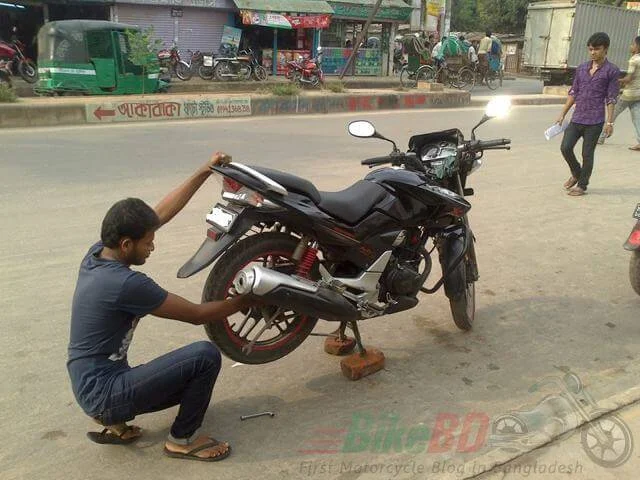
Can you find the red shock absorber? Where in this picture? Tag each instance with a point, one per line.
(307, 261)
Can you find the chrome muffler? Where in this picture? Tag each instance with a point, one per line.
(293, 293)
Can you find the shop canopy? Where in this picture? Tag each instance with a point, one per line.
(286, 14)
(390, 10)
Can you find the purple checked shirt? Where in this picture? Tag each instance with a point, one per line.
(592, 93)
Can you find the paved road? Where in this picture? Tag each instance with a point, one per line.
(518, 86)
(553, 295)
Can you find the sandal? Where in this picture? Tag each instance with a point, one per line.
(635, 148)
(191, 454)
(577, 192)
(570, 183)
(108, 437)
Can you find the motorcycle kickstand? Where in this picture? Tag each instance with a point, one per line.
(341, 332)
(356, 333)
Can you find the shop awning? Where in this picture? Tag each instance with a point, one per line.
(390, 10)
(285, 6)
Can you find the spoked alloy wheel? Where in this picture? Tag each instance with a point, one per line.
(269, 340)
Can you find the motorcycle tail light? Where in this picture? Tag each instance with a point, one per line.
(229, 185)
(634, 238)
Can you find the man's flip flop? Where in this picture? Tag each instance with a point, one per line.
(191, 454)
(107, 437)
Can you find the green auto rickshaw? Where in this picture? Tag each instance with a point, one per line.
(91, 57)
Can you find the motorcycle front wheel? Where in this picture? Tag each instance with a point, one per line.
(460, 284)
(183, 71)
(205, 73)
(28, 71)
(634, 271)
(289, 329)
(260, 73)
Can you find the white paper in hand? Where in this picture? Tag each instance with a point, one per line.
(555, 129)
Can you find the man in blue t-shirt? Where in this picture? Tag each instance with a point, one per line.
(108, 303)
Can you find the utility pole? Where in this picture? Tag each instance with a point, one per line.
(358, 41)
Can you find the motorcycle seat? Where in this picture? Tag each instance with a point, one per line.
(292, 183)
(349, 205)
(352, 204)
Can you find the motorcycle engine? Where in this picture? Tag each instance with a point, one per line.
(403, 277)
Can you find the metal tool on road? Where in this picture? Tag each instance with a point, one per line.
(254, 415)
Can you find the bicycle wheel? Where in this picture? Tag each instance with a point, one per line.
(466, 79)
(426, 73)
(407, 78)
(492, 80)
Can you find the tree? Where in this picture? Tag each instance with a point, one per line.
(143, 48)
(464, 15)
(504, 16)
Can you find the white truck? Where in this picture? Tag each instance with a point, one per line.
(556, 35)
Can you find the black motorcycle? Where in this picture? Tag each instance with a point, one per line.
(240, 67)
(341, 256)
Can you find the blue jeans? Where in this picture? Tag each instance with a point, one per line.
(183, 377)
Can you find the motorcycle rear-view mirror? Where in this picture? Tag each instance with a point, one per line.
(362, 129)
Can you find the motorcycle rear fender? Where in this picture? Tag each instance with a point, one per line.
(211, 250)
(633, 244)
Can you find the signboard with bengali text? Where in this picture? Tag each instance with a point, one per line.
(178, 109)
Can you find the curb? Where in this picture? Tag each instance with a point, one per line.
(159, 108)
(82, 112)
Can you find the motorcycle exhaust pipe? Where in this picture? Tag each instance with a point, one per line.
(297, 294)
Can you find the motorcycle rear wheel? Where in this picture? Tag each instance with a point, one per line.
(634, 271)
(273, 250)
(28, 71)
(222, 69)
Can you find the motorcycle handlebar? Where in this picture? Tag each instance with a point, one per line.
(493, 143)
(377, 161)
(479, 145)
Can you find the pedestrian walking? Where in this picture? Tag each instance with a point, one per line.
(594, 93)
(630, 98)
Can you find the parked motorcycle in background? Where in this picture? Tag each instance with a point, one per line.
(209, 63)
(171, 63)
(240, 67)
(17, 62)
(346, 256)
(5, 74)
(633, 245)
(307, 71)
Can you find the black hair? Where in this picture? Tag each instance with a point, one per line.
(488, 33)
(461, 38)
(131, 218)
(637, 41)
(599, 39)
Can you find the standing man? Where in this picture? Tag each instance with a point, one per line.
(484, 49)
(109, 300)
(594, 93)
(630, 97)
